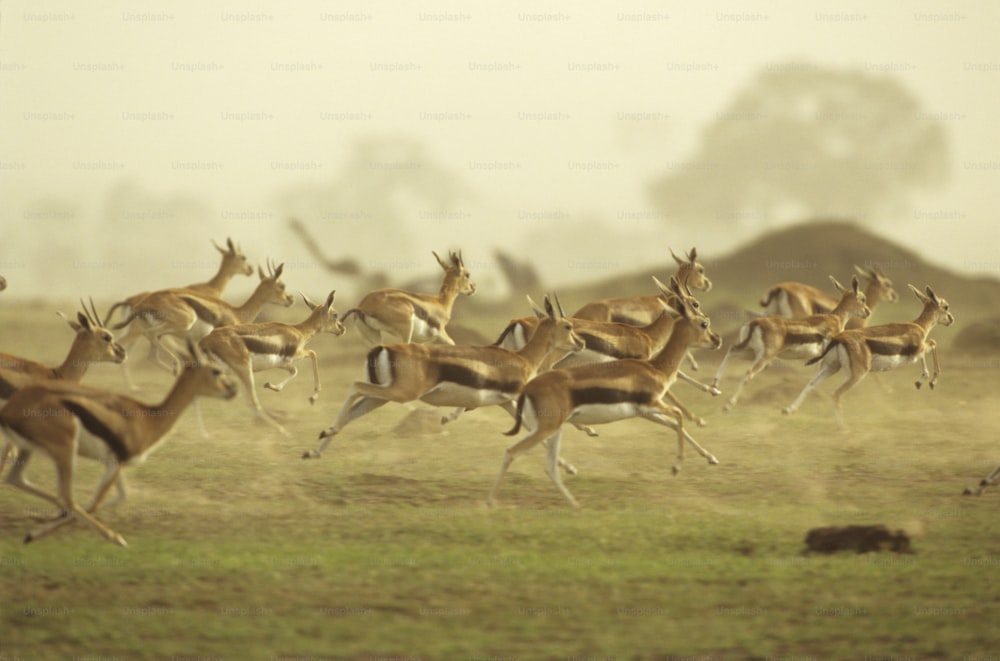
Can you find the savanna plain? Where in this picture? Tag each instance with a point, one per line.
(385, 548)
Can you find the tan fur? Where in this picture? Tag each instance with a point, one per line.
(282, 343)
(46, 417)
(173, 312)
(765, 338)
(851, 349)
(411, 316)
(644, 310)
(417, 371)
(551, 395)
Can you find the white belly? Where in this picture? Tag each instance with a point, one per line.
(881, 363)
(597, 414)
(266, 361)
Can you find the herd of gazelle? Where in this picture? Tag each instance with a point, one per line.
(613, 359)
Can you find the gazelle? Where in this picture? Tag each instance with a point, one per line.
(881, 348)
(410, 316)
(187, 315)
(234, 263)
(454, 376)
(990, 480)
(249, 348)
(607, 392)
(3, 283)
(62, 419)
(644, 310)
(92, 344)
(765, 338)
(797, 300)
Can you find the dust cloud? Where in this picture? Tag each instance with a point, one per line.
(585, 138)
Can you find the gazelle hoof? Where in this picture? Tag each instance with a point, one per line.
(715, 392)
(271, 386)
(675, 469)
(311, 454)
(712, 461)
(788, 410)
(918, 384)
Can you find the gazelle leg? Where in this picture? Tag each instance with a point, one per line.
(511, 453)
(64, 470)
(760, 363)
(552, 468)
(704, 387)
(851, 381)
(698, 420)
(15, 478)
(354, 407)
(667, 416)
(989, 480)
(826, 370)
(292, 371)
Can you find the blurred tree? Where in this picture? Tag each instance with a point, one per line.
(369, 207)
(805, 140)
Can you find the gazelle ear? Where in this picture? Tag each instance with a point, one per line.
(864, 273)
(559, 307)
(539, 312)
(440, 261)
(931, 294)
(309, 304)
(550, 310)
(693, 255)
(840, 288)
(677, 259)
(919, 294)
(855, 284)
(218, 247)
(329, 299)
(72, 324)
(260, 272)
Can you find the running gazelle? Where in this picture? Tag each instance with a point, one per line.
(411, 316)
(60, 420)
(881, 348)
(454, 376)
(765, 338)
(606, 392)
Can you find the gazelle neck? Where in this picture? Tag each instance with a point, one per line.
(313, 323)
(449, 291)
(535, 350)
(161, 417)
(222, 277)
(669, 359)
(74, 367)
(247, 312)
(661, 326)
(927, 319)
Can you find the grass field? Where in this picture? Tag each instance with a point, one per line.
(385, 548)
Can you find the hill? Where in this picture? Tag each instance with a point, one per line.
(810, 253)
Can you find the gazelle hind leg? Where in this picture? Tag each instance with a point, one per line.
(356, 406)
(511, 453)
(826, 370)
(987, 481)
(552, 466)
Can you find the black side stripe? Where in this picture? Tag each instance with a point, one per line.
(803, 338)
(258, 345)
(425, 316)
(99, 429)
(464, 376)
(603, 346)
(203, 313)
(883, 348)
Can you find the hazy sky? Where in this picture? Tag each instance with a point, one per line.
(548, 112)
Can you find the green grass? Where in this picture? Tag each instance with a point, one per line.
(384, 548)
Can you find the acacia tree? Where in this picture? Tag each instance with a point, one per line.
(808, 141)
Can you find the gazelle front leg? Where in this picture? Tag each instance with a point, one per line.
(712, 388)
(924, 373)
(698, 420)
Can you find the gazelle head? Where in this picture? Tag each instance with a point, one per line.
(853, 300)
(697, 321)
(98, 342)
(456, 276)
(234, 262)
(208, 379)
(937, 307)
(879, 286)
(329, 322)
(691, 272)
(673, 292)
(272, 284)
(563, 337)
